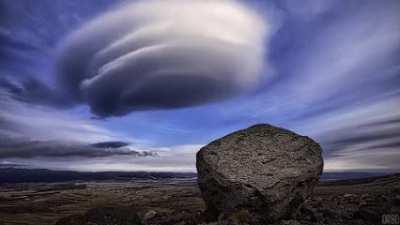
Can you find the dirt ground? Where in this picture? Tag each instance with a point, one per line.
(367, 201)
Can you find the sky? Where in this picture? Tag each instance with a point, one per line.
(142, 85)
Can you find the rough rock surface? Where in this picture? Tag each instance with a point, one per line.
(264, 170)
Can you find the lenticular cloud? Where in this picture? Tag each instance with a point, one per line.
(163, 54)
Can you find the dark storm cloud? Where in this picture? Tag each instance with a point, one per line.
(12, 50)
(388, 121)
(9, 42)
(371, 130)
(31, 149)
(29, 33)
(9, 86)
(21, 119)
(110, 144)
(362, 137)
(31, 90)
(164, 54)
(9, 45)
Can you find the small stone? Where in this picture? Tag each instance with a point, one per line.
(289, 222)
(149, 215)
(349, 195)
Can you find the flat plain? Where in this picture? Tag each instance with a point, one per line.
(178, 201)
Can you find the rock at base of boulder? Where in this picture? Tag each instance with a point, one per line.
(265, 170)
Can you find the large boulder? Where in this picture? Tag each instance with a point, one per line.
(263, 170)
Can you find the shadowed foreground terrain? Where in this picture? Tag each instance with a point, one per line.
(178, 201)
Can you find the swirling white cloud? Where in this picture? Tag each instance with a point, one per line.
(164, 54)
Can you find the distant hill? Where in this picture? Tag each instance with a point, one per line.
(21, 175)
(333, 176)
(16, 174)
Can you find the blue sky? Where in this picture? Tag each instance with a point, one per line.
(330, 71)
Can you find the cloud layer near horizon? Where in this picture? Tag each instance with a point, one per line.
(164, 54)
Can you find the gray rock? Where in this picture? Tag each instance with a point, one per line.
(149, 215)
(263, 169)
(289, 222)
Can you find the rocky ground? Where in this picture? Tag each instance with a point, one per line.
(164, 202)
